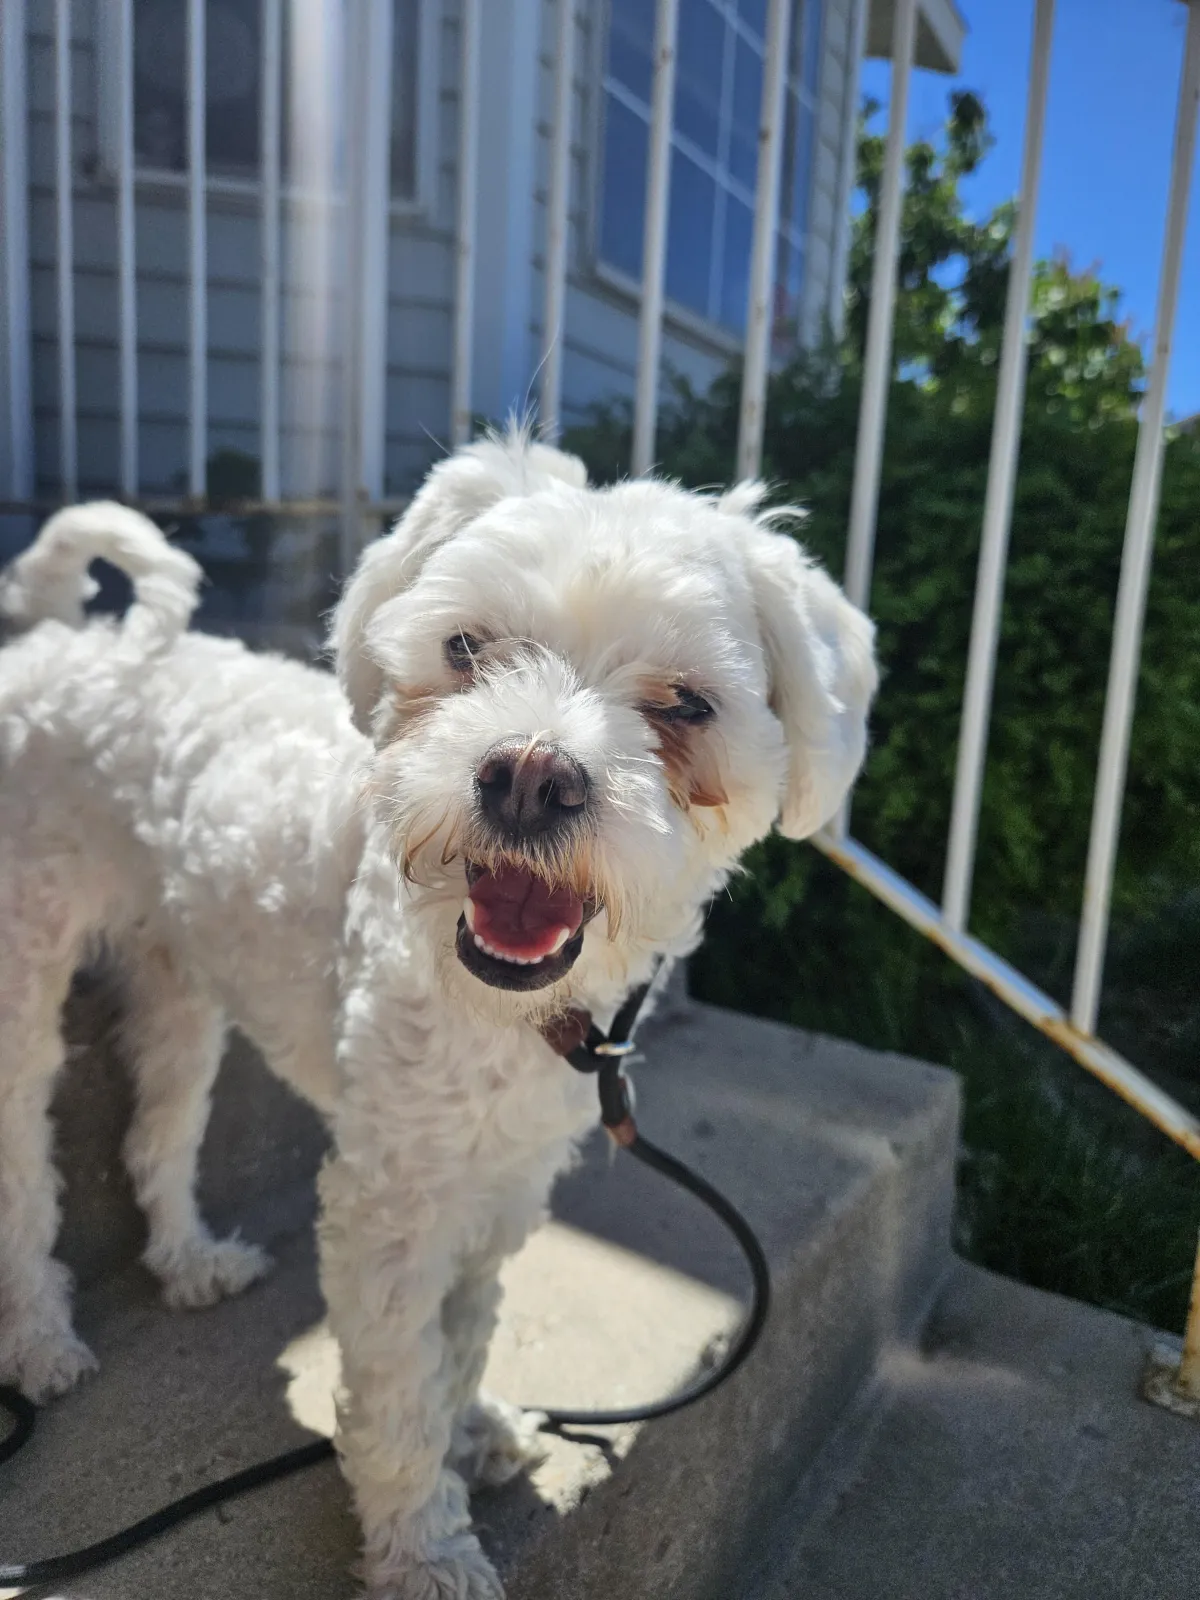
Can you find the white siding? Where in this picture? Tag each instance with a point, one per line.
(601, 333)
(826, 197)
(420, 287)
(601, 323)
(601, 328)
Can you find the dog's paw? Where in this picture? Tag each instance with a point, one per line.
(43, 1363)
(455, 1569)
(203, 1271)
(493, 1441)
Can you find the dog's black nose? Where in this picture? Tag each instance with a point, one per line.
(529, 789)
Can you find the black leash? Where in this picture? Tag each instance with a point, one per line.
(588, 1050)
(603, 1053)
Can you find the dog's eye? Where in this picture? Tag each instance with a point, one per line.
(461, 650)
(689, 707)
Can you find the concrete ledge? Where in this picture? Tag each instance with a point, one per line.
(1011, 1456)
(841, 1159)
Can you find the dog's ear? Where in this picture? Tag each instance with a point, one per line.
(821, 671)
(456, 491)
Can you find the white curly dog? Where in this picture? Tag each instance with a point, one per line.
(560, 715)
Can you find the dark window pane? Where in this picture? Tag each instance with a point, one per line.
(623, 200)
(159, 76)
(754, 14)
(631, 45)
(231, 77)
(786, 329)
(801, 168)
(747, 108)
(735, 269)
(404, 99)
(690, 234)
(799, 131)
(789, 272)
(232, 54)
(698, 71)
(811, 28)
(787, 162)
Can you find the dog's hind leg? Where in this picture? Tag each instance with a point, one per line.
(173, 1034)
(39, 1351)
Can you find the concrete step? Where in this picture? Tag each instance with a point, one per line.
(842, 1160)
(1009, 1455)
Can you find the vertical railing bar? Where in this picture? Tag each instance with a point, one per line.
(14, 241)
(375, 251)
(468, 169)
(1188, 1379)
(308, 292)
(998, 501)
(654, 242)
(68, 449)
(271, 109)
(848, 164)
(126, 253)
(877, 360)
(877, 357)
(764, 250)
(354, 25)
(558, 224)
(1135, 561)
(197, 252)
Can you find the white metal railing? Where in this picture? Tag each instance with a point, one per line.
(341, 56)
(946, 925)
(654, 247)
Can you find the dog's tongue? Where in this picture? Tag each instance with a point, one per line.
(519, 915)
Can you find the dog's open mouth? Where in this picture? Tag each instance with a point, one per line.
(517, 931)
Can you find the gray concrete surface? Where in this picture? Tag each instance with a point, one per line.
(1011, 1459)
(841, 1159)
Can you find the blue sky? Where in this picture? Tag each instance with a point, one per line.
(1114, 79)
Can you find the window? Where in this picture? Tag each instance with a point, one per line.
(233, 56)
(714, 151)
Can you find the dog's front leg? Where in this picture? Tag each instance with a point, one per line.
(387, 1267)
(492, 1440)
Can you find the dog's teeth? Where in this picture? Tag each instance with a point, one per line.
(560, 939)
(469, 912)
(515, 961)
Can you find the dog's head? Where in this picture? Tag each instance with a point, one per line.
(585, 704)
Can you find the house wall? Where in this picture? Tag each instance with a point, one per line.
(600, 358)
(601, 334)
(833, 168)
(420, 279)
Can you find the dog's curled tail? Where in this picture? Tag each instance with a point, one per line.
(50, 580)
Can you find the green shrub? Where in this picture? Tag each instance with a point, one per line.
(1061, 1184)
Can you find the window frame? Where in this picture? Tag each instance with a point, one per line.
(699, 325)
(246, 193)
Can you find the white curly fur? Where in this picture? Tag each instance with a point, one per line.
(232, 826)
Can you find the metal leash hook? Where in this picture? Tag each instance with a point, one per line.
(616, 1108)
